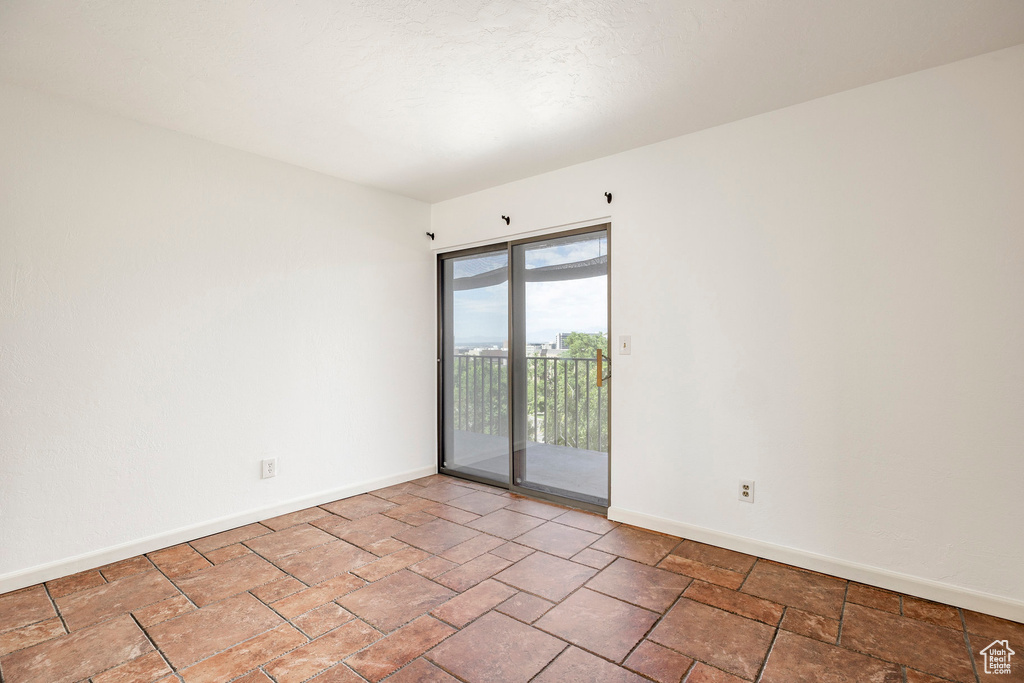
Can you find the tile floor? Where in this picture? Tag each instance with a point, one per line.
(445, 580)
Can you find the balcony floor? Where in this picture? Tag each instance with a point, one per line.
(573, 472)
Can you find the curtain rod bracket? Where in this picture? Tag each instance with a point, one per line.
(506, 219)
(608, 196)
(431, 236)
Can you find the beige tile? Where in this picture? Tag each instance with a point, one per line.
(557, 539)
(658, 663)
(596, 524)
(795, 659)
(433, 566)
(932, 613)
(277, 590)
(398, 649)
(506, 524)
(811, 625)
(201, 633)
(316, 565)
(640, 584)
(603, 625)
(870, 596)
(421, 671)
(496, 649)
(545, 575)
(742, 604)
(466, 607)
(389, 564)
(395, 600)
(722, 639)
(172, 607)
(513, 551)
(67, 585)
(922, 646)
(809, 591)
(79, 655)
(220, 581)
(358, 506)
(245, 656)
(129, 567)
(27, 636)
(294, 539)
(227, 553)
(535, 508)
(108, 600)
(322, 653)
(704, 572)
(437, 536)
(293, 518)
(576, 666)
(593, 558)
(636, 544)
(715, 556)
(229, 537)
(314, 596)
(324, 618)
(471, 549)
(179, 560)
(473, 572)
(145, 669)
(525, 607)
(24, 607)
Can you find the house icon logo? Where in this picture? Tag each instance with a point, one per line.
(997, 657)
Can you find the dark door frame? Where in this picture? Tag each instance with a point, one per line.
(444, 306)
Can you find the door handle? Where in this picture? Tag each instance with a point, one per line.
(600, 368)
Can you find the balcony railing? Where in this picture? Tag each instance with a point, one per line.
(565, 407)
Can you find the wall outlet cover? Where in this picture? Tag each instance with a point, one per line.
(269, 468)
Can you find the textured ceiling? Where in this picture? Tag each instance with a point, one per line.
(437, 98)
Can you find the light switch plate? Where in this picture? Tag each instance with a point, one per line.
(625, 345)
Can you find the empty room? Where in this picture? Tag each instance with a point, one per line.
(567, 341)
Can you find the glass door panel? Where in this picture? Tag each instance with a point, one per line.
(560, 386)
(474, 365)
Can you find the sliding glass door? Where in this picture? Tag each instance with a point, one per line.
(474, 365)
(524, 372)
(560, 324)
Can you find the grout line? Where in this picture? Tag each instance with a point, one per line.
(156, 648)
(657, 622)
(160, 652)
(970, 649)
(749, 572)
(842, 614)
(53, 603)
(560, 653)
(767, 656)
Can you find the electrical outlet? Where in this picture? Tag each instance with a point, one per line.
(747, 490)
(269, 468)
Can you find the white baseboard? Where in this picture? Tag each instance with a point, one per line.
(987, 603)
(97, 558)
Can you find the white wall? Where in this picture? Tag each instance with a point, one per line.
(171, 312)
(828, 299)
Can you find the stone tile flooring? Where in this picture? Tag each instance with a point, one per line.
(445, 580)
